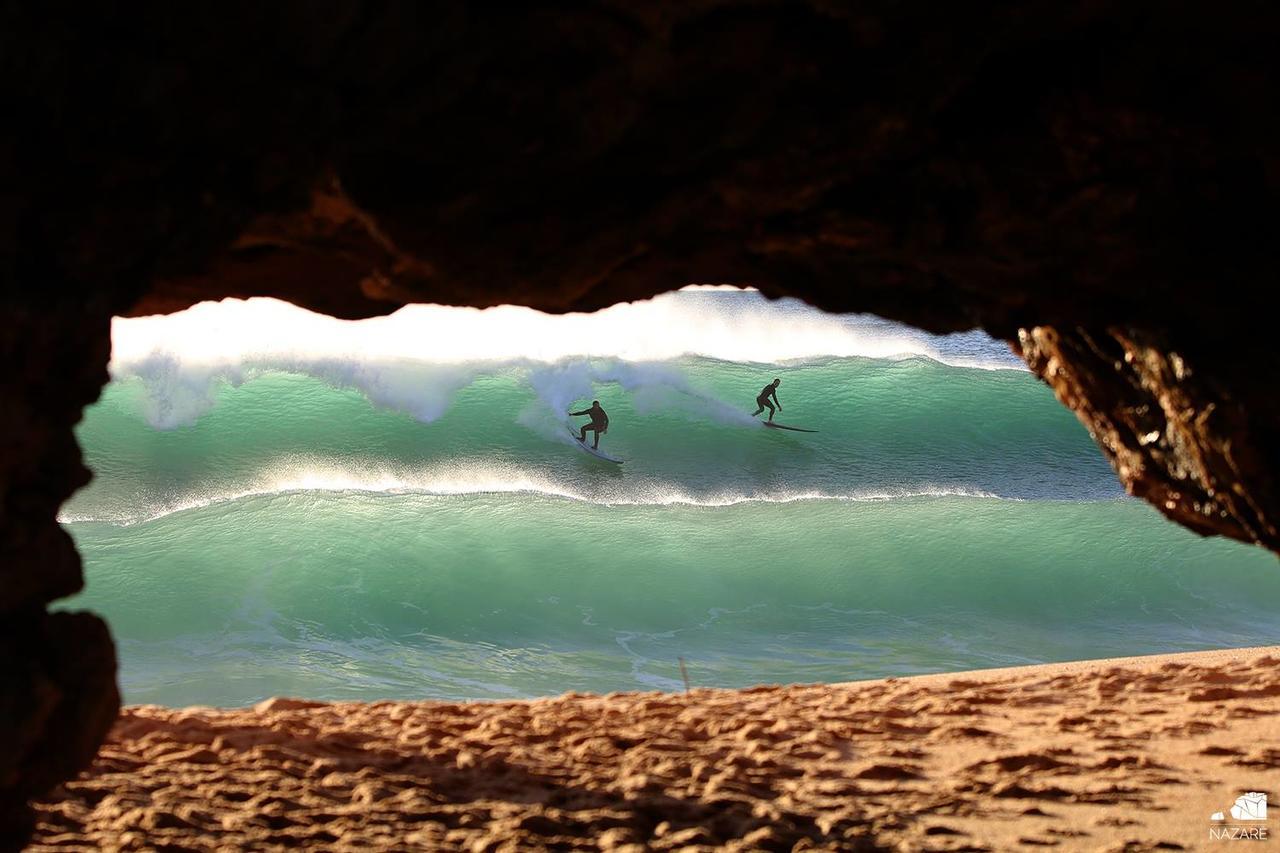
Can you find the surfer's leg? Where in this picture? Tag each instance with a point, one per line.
(582, 436)
(772, 411)
(596, 446)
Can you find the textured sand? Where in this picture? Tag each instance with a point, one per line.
(1131, 754)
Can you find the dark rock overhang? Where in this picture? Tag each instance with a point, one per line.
(1096, 184)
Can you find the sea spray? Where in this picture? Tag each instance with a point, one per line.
(653, 387)
(416, 359)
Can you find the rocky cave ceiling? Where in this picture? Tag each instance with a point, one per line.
(1095, 183)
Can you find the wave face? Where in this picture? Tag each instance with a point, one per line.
(885, 429)
(384, 510)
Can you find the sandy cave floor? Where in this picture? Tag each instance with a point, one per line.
(1129, 754)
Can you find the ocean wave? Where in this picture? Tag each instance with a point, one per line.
(481, 480)
(415, 359)
(741, 326)
(349, 597)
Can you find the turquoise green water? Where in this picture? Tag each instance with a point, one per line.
(885, 428)
(308, 533)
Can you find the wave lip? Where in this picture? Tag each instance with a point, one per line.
(742, 327)
(481, 479)
(416, 359)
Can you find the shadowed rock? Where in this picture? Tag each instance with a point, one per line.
(1097, 184)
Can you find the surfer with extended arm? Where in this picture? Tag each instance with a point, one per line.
(770, 390)
(599, 423)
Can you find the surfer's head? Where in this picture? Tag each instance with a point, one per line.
(595, 404)
(777, 382)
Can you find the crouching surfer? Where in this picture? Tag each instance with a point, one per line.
(599, 423)
(762, 401)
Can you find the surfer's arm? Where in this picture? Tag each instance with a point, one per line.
(583, 412)
(777, 401)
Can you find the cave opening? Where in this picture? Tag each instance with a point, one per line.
(393, 508)
(1095, 182)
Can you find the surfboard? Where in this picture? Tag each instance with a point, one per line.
(599, 454)
(783, 426)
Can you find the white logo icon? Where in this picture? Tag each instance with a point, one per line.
(1250, 806)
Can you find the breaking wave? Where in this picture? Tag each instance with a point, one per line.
(289, 504)
(416, 359)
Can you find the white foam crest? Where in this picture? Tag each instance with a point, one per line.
(478, 478)
(741, 326)
(179, 392)
(458, 478)
(652, 387)
(416, 359)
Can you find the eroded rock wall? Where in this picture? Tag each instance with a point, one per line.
(1201, 448)
(1098, 182)
(58, 671)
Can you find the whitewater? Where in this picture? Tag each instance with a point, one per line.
(285, 503)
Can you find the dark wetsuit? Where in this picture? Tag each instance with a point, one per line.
(599, 423)
(762, 401)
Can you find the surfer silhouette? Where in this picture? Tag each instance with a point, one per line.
(599, 423)
(770, 390)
